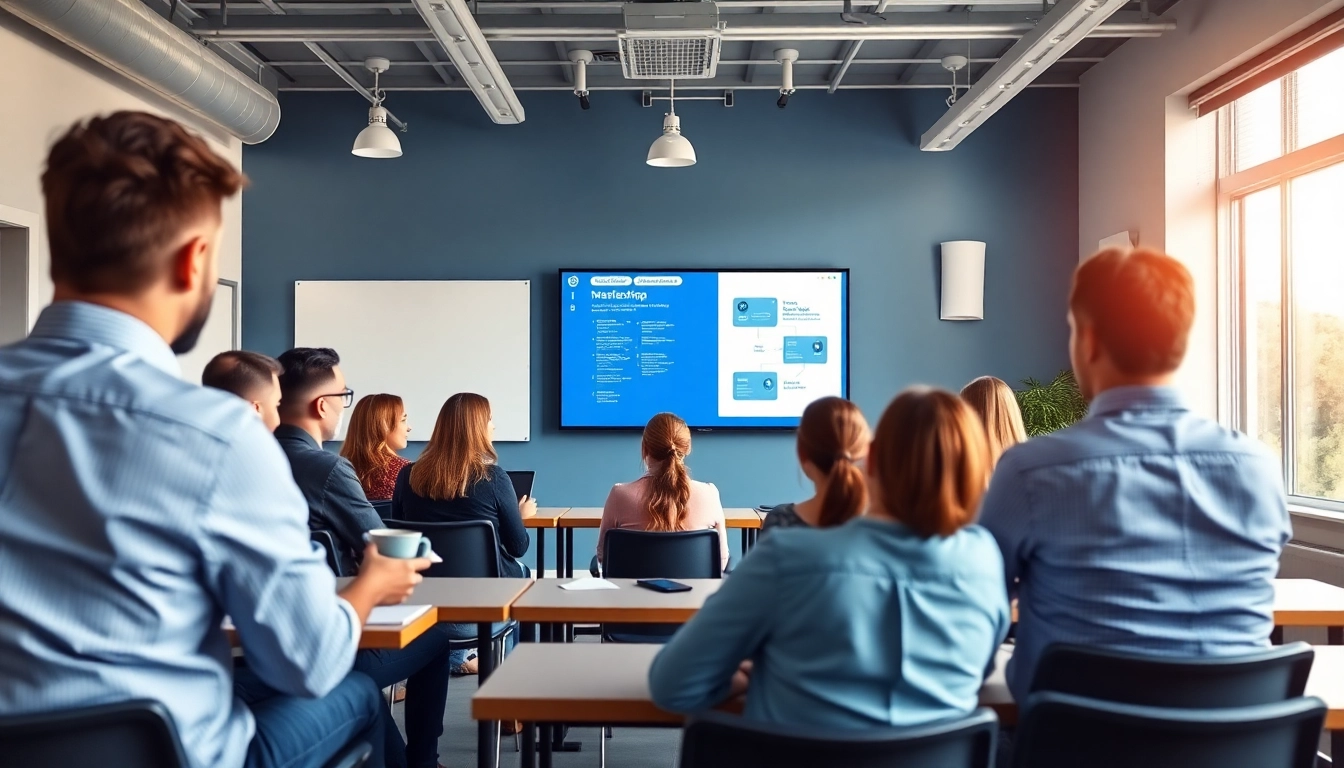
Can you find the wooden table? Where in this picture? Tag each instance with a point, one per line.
(1309, 603)
(546, 602)
(748, 521)
(546, 517)
(471, 601)
(378, 638)
(608, 685)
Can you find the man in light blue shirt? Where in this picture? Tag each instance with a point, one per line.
(1144, 527)
(138, 510)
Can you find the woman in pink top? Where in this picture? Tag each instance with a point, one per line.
(665, 498)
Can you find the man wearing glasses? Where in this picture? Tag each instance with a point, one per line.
(313, 402)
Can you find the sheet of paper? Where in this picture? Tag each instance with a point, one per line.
(395, 615)
(589, 583)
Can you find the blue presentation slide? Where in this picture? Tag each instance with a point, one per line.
(723, 350)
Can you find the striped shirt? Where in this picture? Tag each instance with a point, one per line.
(136, 511)
(1142, 528)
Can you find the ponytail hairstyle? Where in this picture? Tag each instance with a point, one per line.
(667, 441)
(833, 437)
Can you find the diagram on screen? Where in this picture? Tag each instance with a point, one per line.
(775, 333)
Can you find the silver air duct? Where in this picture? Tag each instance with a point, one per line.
(130, 38)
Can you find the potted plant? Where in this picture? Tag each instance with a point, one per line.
(1047, 407)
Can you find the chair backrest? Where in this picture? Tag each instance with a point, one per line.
(662, 555)
(1263, 677)
(1058, 730)
(657, 555)
(127, 734)
(382, 506)
(719, 740)
(335, 562)
(469, 548)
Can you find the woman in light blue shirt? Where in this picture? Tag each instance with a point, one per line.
(890, 619)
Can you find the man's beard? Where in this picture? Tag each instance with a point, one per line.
(186, 340)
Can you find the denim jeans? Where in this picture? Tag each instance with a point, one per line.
(295, 732)
(425, 667)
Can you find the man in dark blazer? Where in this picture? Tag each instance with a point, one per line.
(313, 401)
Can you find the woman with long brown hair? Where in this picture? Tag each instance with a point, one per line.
(996, 404)
(665, 498)
(916, 588)
(378, 429)
(833, 440)
(458, 477)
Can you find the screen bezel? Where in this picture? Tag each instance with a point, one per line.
(559, 344)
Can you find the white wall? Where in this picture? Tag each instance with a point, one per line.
(46, 87)
(1146, 163)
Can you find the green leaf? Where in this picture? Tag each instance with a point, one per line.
(1052, 406)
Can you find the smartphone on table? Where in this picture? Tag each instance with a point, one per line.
(663, 585)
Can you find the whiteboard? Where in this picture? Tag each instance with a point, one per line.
(219, 335)
(425, 341)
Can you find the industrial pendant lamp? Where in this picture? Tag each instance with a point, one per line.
(377, 140)
(671, 150)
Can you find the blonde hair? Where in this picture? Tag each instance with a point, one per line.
(666, 443)
(931, 461)
(996, 404)
(459, 453)
(374, 418)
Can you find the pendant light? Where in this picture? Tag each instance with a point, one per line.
(671, 150)
(377, 140)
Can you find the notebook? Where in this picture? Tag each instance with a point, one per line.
(395, 615)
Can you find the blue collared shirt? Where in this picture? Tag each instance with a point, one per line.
(136, 511)
(858, 626)
(1143, 528)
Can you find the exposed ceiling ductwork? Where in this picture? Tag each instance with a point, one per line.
(131, 39)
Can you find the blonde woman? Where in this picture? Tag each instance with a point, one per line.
(378, 429)
(996, 404)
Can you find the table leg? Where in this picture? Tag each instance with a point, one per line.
(546, 735)
(746, 541)
(529, 756)
(486, 735)
(1276, 636)
(1337, 747)
(569, 573)
(541, 553)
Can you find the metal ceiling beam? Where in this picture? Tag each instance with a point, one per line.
(243, 7)
(722, 62)
(349, 79)
(424, 50)
(632, 85)
(926, 50)
(236, 53)
(852, 50)
(599, 28)
(758, 51)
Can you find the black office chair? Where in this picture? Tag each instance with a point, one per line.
(657, 555)
(719, 740)
(1058, 730)
(327, 540)
(382, 506)
(1264, 677)
(126, 734)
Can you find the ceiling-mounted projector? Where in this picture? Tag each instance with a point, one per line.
(670, 41)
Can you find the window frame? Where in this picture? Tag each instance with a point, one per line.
(1233, 186)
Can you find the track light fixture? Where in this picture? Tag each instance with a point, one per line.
(377, 140)
(785, 57)
(581, 61)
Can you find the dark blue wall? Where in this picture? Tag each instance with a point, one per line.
(833, 181)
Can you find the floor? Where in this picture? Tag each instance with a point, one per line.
(628, 747)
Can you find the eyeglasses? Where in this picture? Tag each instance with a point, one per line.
(347, 397)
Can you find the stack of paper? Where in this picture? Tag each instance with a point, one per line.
(395, 615)
(589, 583)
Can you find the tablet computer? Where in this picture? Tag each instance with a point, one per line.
(522, 481)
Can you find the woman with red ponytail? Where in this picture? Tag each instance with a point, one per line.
(833, 440)
(665, 498)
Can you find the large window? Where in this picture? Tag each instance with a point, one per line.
(1282, 187)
